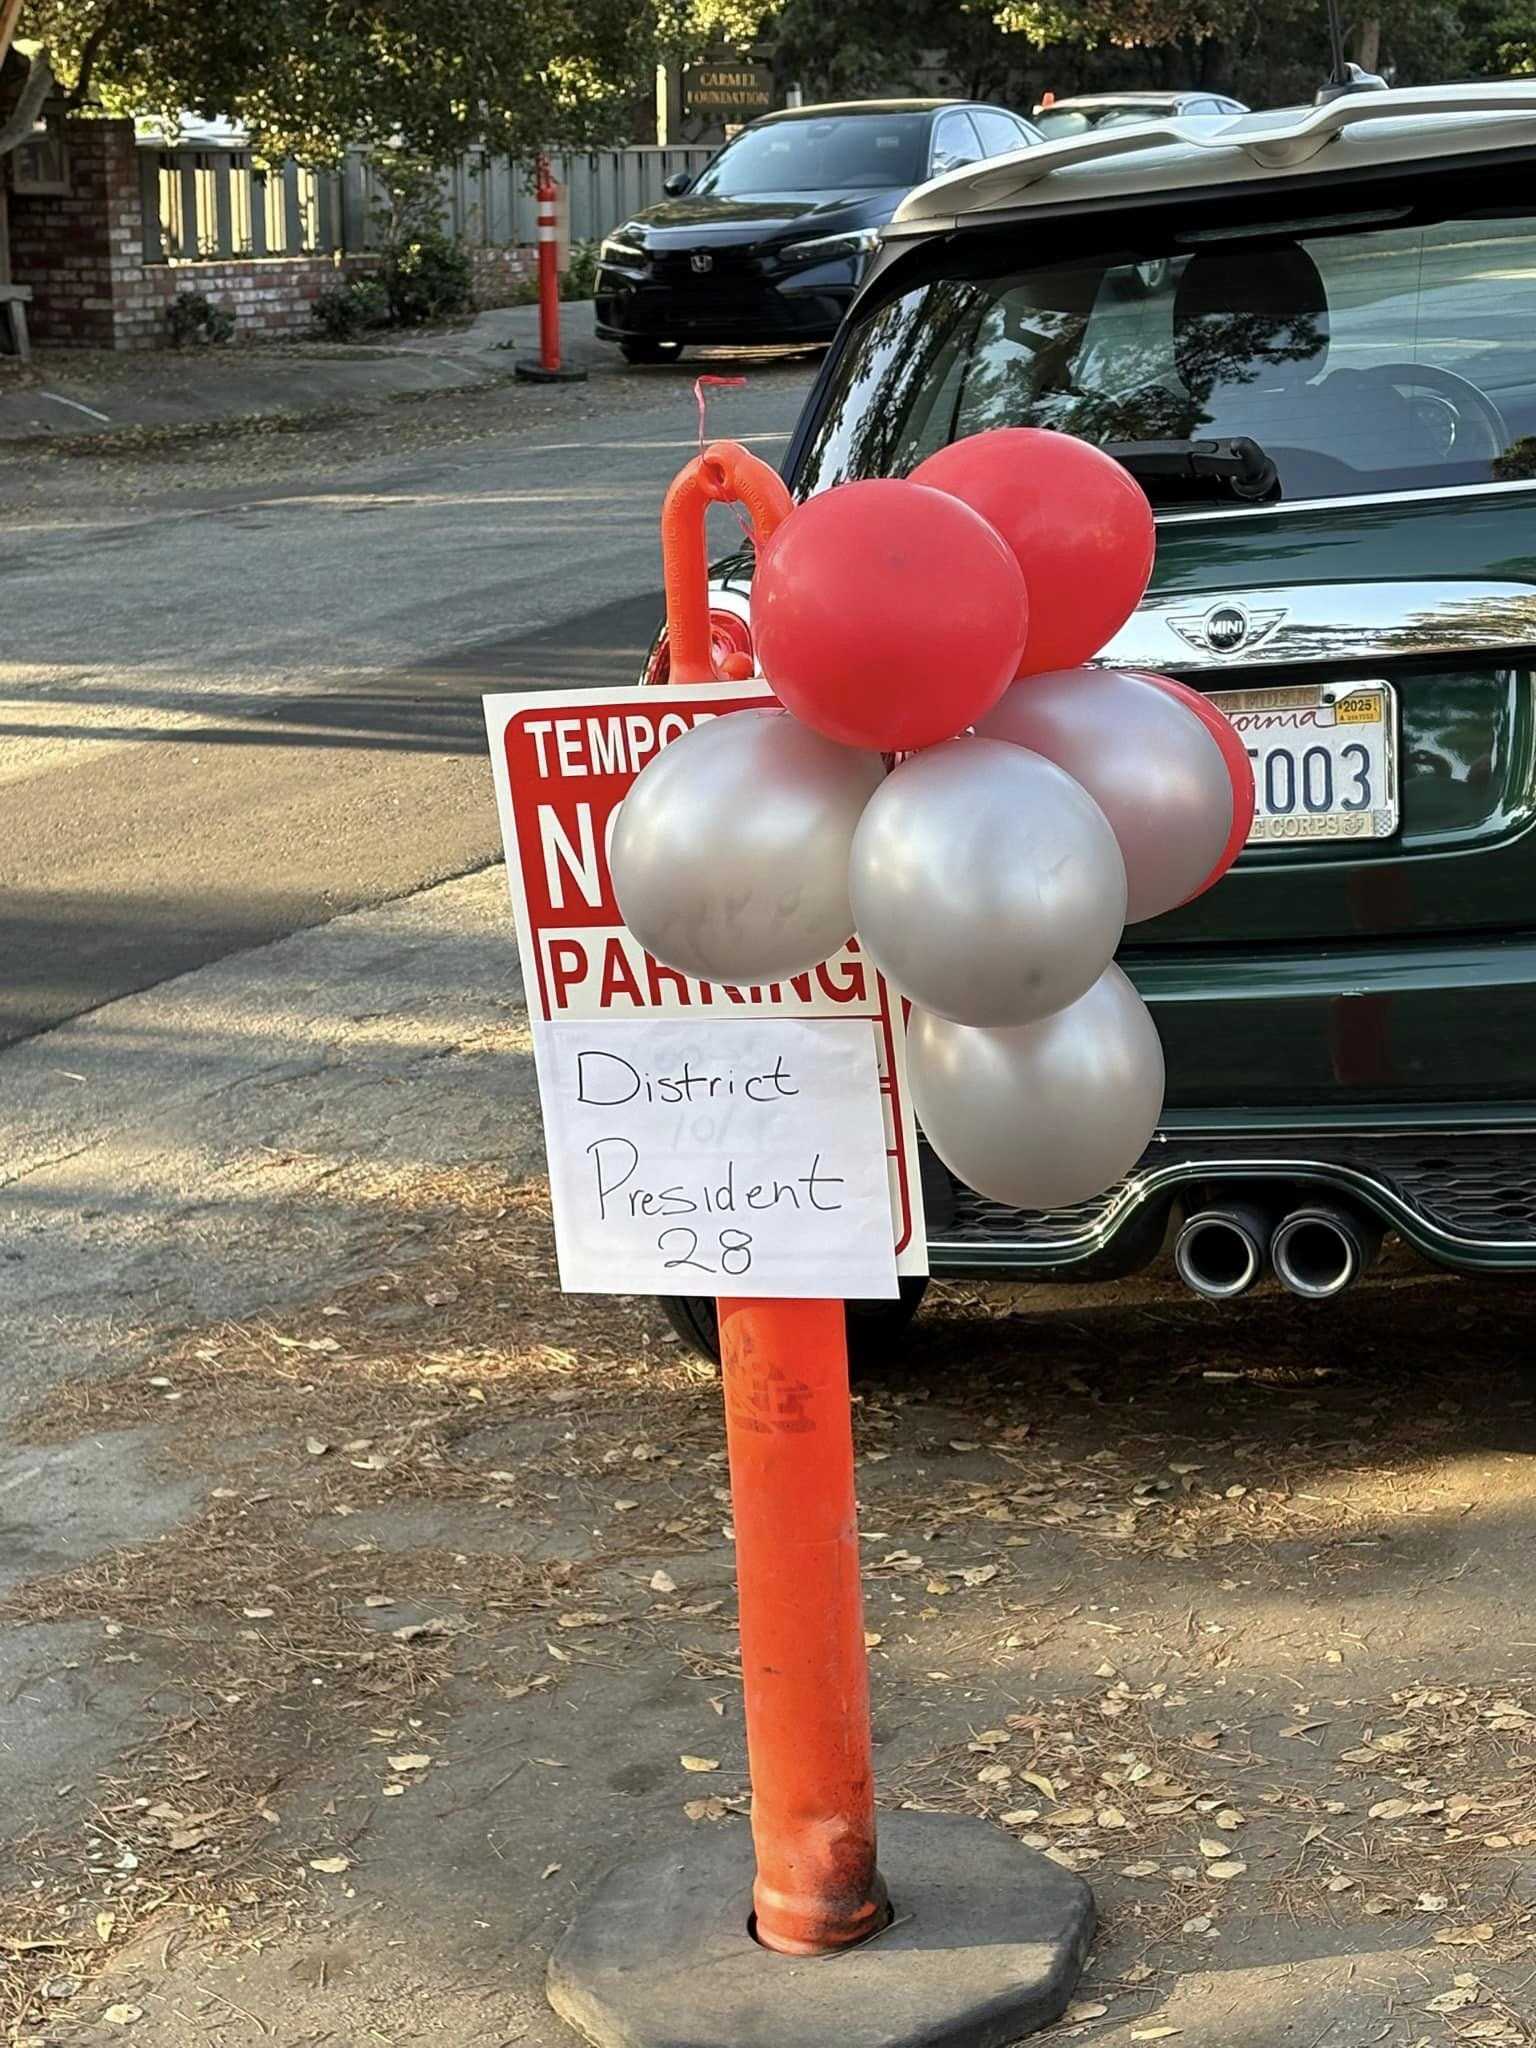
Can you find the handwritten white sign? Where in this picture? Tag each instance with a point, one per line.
(689, 1159)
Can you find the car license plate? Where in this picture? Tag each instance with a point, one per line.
(1324, 759)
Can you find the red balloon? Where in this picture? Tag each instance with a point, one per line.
(1079, 524)
(887, 616)
(1239, 767)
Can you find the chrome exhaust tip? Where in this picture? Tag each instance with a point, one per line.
(1220, 1251)
(1321, 1249)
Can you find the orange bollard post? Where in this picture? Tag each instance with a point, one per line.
(549, 276)
(548, 369)
(790, 1436)
(805, 1669)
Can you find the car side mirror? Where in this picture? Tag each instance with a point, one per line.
(677, 184)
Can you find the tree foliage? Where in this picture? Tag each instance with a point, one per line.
(308, 77)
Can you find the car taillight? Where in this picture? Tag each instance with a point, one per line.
(730, 642)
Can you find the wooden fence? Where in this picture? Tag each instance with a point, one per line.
(210, 205)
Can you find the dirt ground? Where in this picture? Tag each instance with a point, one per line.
(81, 475)
(1225, 1609)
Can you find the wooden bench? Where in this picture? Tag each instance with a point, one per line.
(14, 301)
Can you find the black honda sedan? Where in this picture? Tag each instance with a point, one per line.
(768, 243)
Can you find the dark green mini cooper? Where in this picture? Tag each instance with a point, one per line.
(1311, 335)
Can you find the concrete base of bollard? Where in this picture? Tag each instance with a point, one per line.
(986, 1945)
(529, 371)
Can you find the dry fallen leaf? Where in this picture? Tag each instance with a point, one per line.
(415, 1760)
(1111, 1817)
(1153, 2033)
(1229, 1818)
(1391, 1809)
(123, 2015)
(1209, 1846)
(583, 1617)
(1039, 1783)
(1457, 1999)
(1084, 2009)
(1465, 1937)
(258, 1613)
(436, 1625)
(699, 1763)
(1222, 1871)
(105, 1922)
(1143, 1869)
(548, 1871)
(873, 1639)
(316, 1446)
(705, 1809)
(378, 1600)
(330, 1866)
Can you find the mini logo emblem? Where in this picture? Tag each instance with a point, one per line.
(701, 261)
(1226, 629)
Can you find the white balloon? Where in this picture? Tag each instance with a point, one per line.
(1047, 1114)
(986, 883)
(730, 853)
(1147, 762)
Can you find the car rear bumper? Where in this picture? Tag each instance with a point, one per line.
(1401, 1079)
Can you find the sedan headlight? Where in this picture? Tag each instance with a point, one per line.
(619, 253)
(833, 248)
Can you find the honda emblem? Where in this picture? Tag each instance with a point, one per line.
(701, 261)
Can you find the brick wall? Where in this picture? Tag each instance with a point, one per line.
(69, 249)
(502, 276)
(83, 255)
(268, 295)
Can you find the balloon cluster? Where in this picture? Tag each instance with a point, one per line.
(1037, 808)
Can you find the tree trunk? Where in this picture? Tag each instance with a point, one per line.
(1367, 42)
(16, 126)
(10, 14)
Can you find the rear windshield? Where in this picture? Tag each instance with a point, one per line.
(855, 152)
(1379, 357)
(1055, 122)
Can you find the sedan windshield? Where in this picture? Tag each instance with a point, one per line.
(841, 153)
(1358, 357)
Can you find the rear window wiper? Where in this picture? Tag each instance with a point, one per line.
(1177, 472)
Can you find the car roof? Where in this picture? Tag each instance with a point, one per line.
(841, 107)
(1175, 157)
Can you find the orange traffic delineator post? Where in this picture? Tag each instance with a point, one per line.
(549, 368)
(789, 1432)
(804, 1665)
(769, 1945)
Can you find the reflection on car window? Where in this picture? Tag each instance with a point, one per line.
(1384, 358)
(999, 132)
(859, 152)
